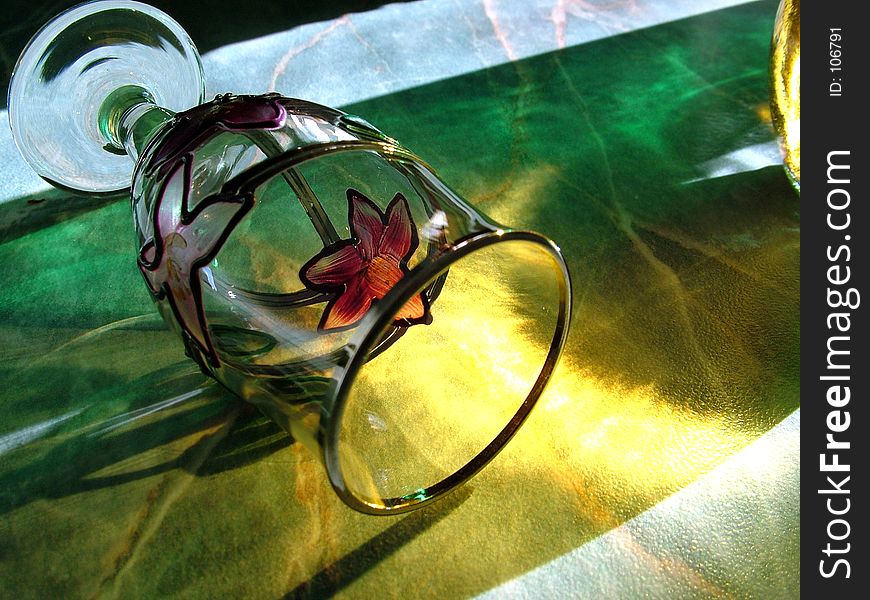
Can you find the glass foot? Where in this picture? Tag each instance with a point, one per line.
(68, 69)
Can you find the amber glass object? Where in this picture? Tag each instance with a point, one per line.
(785, 82)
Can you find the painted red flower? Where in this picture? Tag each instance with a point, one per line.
(361, 270)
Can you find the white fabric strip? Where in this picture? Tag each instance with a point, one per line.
(360, 56)
(734, 516)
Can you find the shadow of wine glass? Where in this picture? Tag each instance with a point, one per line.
(107, 434)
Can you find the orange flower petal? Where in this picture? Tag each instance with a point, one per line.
(349, 307)
(398, 233)
(365, 223)
(381, 275)
(413, 309)
(335, 268)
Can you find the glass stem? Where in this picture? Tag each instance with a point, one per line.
(310, 203)
(129, 118)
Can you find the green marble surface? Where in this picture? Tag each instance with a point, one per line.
(125, 473)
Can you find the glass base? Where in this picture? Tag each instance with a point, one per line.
(72, 64)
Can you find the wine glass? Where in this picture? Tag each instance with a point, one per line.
(310, 263)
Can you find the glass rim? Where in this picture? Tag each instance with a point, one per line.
(366, 338)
